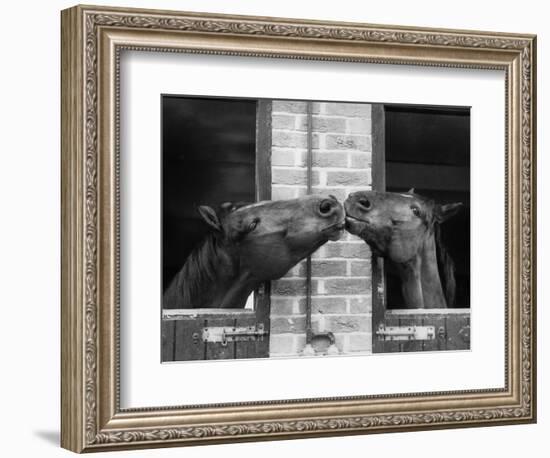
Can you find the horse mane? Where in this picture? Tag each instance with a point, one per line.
(198, 273)
(446, 267)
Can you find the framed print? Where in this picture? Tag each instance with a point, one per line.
(277, 228)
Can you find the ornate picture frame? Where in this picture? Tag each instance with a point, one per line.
(92, 41)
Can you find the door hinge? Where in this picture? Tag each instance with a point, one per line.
(225, 334)
(405, 332)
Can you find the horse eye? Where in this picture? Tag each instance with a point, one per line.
(252, 225)
(416, 211)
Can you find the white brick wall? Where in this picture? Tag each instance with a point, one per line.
(341, 272)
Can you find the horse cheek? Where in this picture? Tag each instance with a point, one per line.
(402, 246)
(266, 259)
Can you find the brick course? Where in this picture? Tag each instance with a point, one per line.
(341, 274)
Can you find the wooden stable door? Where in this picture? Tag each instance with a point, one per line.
(212, 334)
(426, 148)
(399, 330)
(423, 330)
(206, 166)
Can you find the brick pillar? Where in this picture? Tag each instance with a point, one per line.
(341, 271)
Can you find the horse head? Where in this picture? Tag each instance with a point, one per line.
(270, 237)
(251, 244)
(404, 228)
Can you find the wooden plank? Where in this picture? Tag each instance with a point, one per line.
(168, 336)
(378, 147)
(458, 332)
(215, 350)
(187, 314)
(388, 346)
(253, 348)
(412, 345)
(262, 296)
(451, 330)
(378, 171)
(262, 306)
(439, 323)
(187, 348)
(378, 302)
(263, 150)
(420, 312)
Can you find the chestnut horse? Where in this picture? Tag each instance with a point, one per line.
(250, 244)
(405, 229)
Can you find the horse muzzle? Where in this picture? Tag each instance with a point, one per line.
(334, 231)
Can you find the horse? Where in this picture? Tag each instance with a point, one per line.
(250, 244)
(406, 229)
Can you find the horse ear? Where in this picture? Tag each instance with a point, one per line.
(444, 212)
(210, 217)
(411, 191)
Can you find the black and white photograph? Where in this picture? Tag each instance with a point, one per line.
(299, 228)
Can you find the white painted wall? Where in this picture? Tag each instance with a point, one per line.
(29, 229)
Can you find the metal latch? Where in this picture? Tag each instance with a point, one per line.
(406, 332)
(225, 334)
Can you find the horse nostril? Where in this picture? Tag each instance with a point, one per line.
(325, 207)
(365, 203)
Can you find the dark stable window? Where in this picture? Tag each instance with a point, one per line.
(429, 149)
(208, 157)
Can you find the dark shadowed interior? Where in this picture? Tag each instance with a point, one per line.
(429, 149)
(208, 148)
